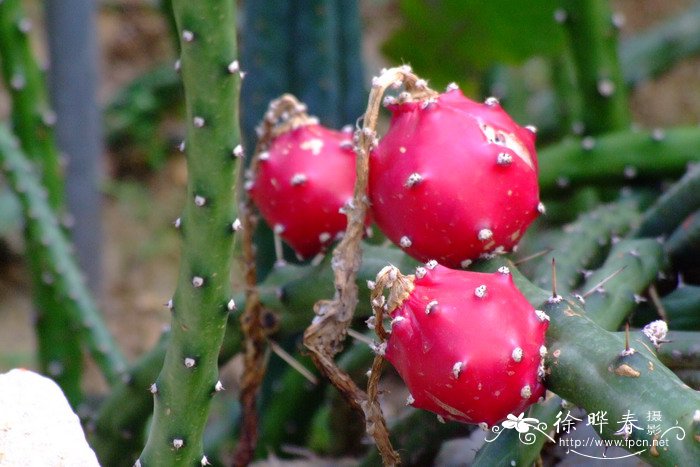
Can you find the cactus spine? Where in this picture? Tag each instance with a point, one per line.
(33, 119)
(188, 380)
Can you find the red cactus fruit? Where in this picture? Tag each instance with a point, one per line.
(301, 183)
(454, 179)
(468, 345)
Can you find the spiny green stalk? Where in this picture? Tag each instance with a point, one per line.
(61, 269)
(123, 415)
(671, 208)
(117, 431)
(641, 260)
(592, 36)
(202, 300)
(32, 117)
(618, 158)
(32, 120)
(586, 366)
(568, 96)
(584, 242)
(631, 266)
(593, 369)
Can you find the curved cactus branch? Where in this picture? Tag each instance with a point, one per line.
(586, 367)
(593, 41)
(671, 208)
(607, 308)
(584, 242)
(618, 157)
(33, 120)
(54, 251)
(202, 300)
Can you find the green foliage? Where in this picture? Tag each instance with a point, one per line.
(450, 40)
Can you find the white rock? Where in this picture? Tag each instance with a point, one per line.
(37, 425)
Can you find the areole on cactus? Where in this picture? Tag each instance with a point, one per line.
(453, 179)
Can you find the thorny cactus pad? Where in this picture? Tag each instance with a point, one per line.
(303, 180)
(454, 179)
(468, 345)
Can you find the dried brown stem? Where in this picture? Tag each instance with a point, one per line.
(325, 336)
(283, 113)
(255, 344)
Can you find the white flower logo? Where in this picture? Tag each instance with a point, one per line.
(519, 423)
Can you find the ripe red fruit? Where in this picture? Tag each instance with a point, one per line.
(453, 179)
(302, 181)
(468, 345)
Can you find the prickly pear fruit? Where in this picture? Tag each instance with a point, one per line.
(301, 183)
(468, 345)
(454, 179)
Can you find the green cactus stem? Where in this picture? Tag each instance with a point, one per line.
(682, 351)
(680, 309)
(117, 428)
(592, 36)
(202, 300)
(638, 262)
(32, 121)
(607, 308)
(32, 117)
(618, 157)
(289, 408)
(671, 208)
(683, 245)
(117, 431)
(587, 367)
(61, 268)
(594, 369)
(690, 377)
(584, 242)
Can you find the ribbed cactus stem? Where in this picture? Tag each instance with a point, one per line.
(592, 32)
(54, 252)
(586, 366)
(117, 429)
(200, 307)
(32, 117)
(618, 157)
(584, 242)
(589, 367)
(612, 294)
(671, 208)
(32, 121)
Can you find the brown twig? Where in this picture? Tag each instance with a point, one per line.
(283, 113)
(325, 336)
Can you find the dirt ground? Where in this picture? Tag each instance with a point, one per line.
(140, 246)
